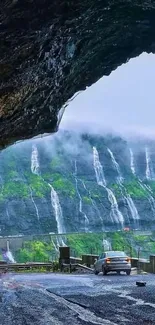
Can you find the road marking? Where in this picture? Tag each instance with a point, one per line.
(139, 302)
(84, 314)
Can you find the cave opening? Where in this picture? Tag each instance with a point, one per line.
(93, 178)
(89, 185)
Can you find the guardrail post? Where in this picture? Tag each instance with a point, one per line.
(138, 266)
(131, 251)
(64, 256)
(152, 263)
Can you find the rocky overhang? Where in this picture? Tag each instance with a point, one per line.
(51, 49)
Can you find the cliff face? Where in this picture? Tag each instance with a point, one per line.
(77, 183)
(50, 50)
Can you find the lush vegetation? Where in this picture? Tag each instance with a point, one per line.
(132, 188)
(135, 190)
(38, 185)
(21, 189)
(35, 251)
(63, 184)
(85, 243)
(14, 189)
(90, 243)
(87, 199)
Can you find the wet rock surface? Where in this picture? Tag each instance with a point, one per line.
(52, 49)
(76, 299)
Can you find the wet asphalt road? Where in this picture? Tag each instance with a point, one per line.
(58, 299)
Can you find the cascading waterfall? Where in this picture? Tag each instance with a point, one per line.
(115, 214)
(127, 197)
(132, 163)
(132, 207)
(57, 241)
(58, 215)
(86, 220)
(56, 246)
(8, 254)
(35, 168)
(142, 185)
(148, 161)
(35, 206)
(150, 197)
(116, 166)
(57, 209)
(106, 245)
(148, 172)
(148, 175)
(98, 169)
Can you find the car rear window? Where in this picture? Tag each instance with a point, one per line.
(113, 254)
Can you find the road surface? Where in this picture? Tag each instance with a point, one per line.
(58, 299)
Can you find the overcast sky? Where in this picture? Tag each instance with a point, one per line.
(123, 102)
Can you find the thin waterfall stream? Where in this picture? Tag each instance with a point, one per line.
(35, 168)
(93, 204)
(147, 174)
(7, 254)
(148, 161)
(35, 206)
(115, 213)
(126, 196)
(86, 220)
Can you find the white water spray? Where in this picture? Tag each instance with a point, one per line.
(59, 242)
(116, 215)
(147, 188)
(127, 197)
(35, 206)
(106, 245)
(93, 203)
(148, 164)
(35, 168)
(143, 186)
(148, 174)
(98, 168)
(116, 166)
(132, 163)
(9, 254)
(57, 210)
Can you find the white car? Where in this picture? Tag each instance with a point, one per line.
(113, 261)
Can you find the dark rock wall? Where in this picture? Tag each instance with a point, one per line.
(49, 50)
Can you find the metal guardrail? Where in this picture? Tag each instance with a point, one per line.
(25, 266)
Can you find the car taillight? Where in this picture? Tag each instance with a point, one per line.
(128, 260)
(108, 260)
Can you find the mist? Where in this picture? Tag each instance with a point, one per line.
(122, 103)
